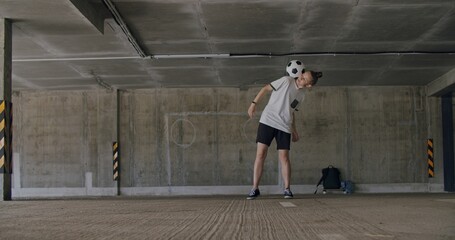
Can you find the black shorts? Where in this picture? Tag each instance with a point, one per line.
(267, 133)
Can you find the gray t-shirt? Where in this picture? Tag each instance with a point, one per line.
(283, 101)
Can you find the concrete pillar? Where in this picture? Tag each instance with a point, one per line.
(447, 142)
(118, 141)
(5, 95)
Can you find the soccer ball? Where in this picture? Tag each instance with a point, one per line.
(295, 68)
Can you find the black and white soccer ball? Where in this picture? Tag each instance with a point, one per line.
(295, 68)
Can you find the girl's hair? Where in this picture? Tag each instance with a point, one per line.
(316, 76)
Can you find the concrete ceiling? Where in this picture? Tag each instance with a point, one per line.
(77, 44)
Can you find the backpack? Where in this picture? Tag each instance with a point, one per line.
(330, 178)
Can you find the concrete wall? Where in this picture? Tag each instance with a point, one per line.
(200, 141)
(62, 142)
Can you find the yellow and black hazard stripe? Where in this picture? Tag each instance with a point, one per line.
(430, 158)
(5, 136)
(2, 136)
(116, 161)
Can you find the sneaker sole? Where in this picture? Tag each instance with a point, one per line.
(288, 197)
(251, 198)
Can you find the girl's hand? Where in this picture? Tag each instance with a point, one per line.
(295, 136)
(251, 110)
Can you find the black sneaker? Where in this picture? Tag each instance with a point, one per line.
(288, 193)
(253, 194)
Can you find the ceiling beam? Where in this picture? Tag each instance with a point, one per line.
(94, 13)
(442, 85)
(118, 18)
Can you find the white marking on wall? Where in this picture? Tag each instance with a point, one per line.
(168, 154)
(182, 120)
(182, 117)
(207, 113)
(247, 124)
(88, 182)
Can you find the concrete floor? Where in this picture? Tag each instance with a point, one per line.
(331, 216)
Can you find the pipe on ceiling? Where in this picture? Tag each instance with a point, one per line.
(237, 55)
